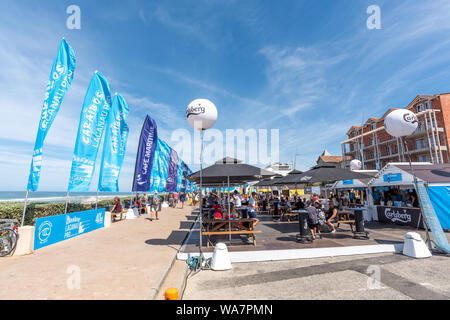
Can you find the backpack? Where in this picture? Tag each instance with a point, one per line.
(321, 217)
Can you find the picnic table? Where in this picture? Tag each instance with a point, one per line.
(344, 217)
(232, 226)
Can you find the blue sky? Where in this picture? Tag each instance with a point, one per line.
(308, 68)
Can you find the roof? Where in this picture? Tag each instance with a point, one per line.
(427, 172)
(332, 159)
(435, 173)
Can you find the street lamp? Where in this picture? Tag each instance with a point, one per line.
(201, 115)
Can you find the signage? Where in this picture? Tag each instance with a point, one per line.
(53, 229)
(392, 177)
(432, 220)
(401, 216)
(347, 182)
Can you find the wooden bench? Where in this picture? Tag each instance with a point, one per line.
(350, 222)
(248, 232)
(115, 214)
(289, 215)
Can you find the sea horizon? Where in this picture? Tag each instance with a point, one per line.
(58, 196)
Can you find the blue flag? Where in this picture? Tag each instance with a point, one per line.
(114, 146)
(172, 174)
(94, 114)
(60, 80)
(160, 167)
(180, 175)
(145, 155)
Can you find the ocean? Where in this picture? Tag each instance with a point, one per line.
(59, 196)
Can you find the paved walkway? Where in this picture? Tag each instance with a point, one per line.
(121, 262)
(376, 276)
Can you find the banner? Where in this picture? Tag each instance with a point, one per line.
(180, 175)
(114, 147)
(160, 167)
(53, 229)
(432, 220)
(60, 80)
(172, 174)
(94, 114)
(145, 155)
(410, 217)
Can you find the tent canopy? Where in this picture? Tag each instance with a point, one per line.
(324, 173)
(232, 169)
(399, 173)
(355, 183)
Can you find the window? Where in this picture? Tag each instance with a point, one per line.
(428, 105)
(388, 150)
(423, 158)
(420, 108)
(420, 144)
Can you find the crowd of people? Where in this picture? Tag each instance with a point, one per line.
(321, 213)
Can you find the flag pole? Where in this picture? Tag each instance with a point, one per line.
(24, 208)
(96, 202)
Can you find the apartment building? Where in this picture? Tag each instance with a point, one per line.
(374, 147)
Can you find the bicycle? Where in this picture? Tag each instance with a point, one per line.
(9, 234)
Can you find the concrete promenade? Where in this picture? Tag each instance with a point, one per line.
(126, 261)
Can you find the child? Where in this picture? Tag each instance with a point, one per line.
(217, 210)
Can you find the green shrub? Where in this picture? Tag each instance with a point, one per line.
(14, 210)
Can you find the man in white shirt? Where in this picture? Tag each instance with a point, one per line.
(237, 199)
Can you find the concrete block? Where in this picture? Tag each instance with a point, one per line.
(25, 243)
(107, 219)
(415, 247)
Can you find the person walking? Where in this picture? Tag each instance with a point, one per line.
(313, 221)
(157, 205)
(182, 199)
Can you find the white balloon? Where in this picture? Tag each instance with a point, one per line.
(201, 114)
(355, 164)
(400, 123)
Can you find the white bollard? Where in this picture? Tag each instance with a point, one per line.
(415, 247)
(220, 259)
(107, 219)
(131, 214)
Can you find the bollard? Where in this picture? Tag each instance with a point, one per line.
(171, 294)
(305, 234)
(360, 232)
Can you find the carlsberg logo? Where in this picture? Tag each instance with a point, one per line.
(194, 111)
(410, 117)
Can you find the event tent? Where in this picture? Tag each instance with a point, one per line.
(436, 178)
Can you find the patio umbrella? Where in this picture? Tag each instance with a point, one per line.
(324, 173)
(230, 171)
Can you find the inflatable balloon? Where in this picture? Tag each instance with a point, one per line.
(201, 114)
(355, 164)
(400, 123)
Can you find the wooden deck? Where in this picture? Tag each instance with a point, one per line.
(282, 236)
